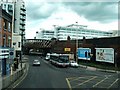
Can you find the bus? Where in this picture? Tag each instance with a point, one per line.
(59, 60)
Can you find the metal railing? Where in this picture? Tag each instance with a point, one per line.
(9, 80)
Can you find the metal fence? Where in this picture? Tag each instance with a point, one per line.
(9, 80)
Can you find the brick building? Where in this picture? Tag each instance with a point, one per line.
(5, 41)
(5, 29)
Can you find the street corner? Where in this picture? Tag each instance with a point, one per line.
(106, 81)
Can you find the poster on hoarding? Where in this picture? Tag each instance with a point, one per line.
(67, 49)
(84, 53)
(105, 55)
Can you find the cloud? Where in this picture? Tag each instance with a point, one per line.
(96, 11)
(71, 0)
(45, 14)
(41, 10)
(63, 16)
(103, 27)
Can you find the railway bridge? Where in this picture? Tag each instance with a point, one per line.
(37, 46)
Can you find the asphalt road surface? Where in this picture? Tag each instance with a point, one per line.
(49, 76)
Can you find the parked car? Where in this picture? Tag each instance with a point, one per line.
(73, 63)
(36, 63)
(47, 57)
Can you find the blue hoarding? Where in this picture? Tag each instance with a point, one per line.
(84, 53)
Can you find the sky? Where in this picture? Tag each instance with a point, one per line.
(96, 14)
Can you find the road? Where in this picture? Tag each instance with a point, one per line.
(49, 76)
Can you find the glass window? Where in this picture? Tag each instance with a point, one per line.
(5, 24)
(18, 44)
(9, 7)
(9, 27)
(4, 6)
(9, 41)
(4, 41)
(0, 24)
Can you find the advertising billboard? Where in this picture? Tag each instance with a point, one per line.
(84, 53)
(105, 55)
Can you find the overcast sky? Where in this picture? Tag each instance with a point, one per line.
(96, 14)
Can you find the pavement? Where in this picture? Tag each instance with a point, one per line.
(14, 84)
(98, 69)
(13, 72)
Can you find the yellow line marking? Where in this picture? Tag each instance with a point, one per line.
(68, 84)
(100, 82)
(85, 81)
(21, 79)
(113, 83)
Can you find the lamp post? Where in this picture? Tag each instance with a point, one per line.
(77, 43)
(21, 53)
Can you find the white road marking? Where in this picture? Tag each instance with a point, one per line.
(85, 81)
(113, 83)
(100, 82)
(80, 78)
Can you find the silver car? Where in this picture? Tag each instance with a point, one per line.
(36, 63)
(73, 64)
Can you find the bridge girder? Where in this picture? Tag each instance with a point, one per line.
(38, 43)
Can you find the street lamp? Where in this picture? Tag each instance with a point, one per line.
(22, 34)
(77, 43)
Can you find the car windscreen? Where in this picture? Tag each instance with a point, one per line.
(36, 61)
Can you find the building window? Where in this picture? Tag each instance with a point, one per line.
(9, 27)
(4, 41)
(4, 6)
(19, 44)
(9, 41)
(14, 43)
(10, 8)
(0, 24)
(5, 24)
